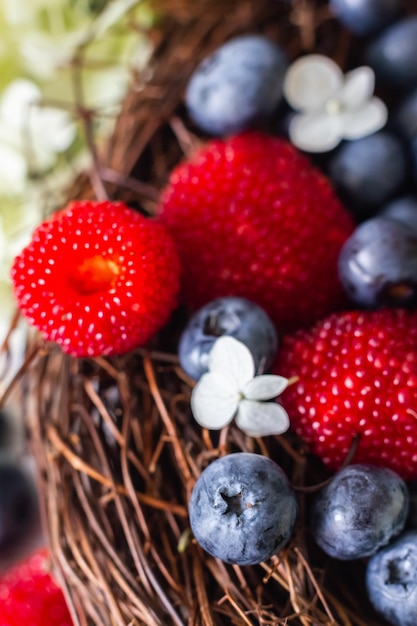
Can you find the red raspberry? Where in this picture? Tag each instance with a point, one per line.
(252, 217)
(357, 374)
(97, 278)
(29, 595)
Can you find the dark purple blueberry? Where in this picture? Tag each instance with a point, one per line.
(378, 264)
(413, 157)
(366, 172)
(242, 509)
(393, 54)
(237, 84)
(412, 514)
(363, 17)
(405, 118)
(233, 316)
(391, 580)
(18, 506)
(403, 209)
(359, 511)
(5, 429)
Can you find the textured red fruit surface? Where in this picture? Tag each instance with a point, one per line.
(251, 217)
(357, 374)
(97, 278)
(30, 597)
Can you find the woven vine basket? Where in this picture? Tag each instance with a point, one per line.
(117, 449)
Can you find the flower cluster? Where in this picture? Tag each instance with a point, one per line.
(230, 390)
(330, 106)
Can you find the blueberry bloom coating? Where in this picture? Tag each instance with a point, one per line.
(405, 118)
(232, 316)
(359, 511)
(242, 508)
(413, 157)
(412, 513)
(403, 210)
(367, 171)
(393, 54)
(378, 263)
(363, 17)
(238, 83)
(391, 580)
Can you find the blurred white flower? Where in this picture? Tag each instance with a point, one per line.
(13, 169)
(333, 106)
(31, 135)
(230, 390)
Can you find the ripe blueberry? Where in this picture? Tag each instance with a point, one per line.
(367, 171)
(233, 316)
(363, 17)
(391, 580)
(359, 511)
(238, 83)
(242, 508)
(393, 53)
(403, 209)
(378, 263)
(405, 118)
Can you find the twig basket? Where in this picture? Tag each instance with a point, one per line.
(117, 448)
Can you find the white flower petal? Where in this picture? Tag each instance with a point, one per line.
(259, 419)
(231, 359)
(51, 129)
(310, 81)
(316, 132)
(17, 100)
(212, 402)
(364, 121)
(264, 387)
(358, 88)
(13, 170)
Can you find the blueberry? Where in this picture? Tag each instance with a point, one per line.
(403, 209)
(242, 508)
(393, 54)
(366, 172)
(363, 17)
(18, 506)
(237, 317)
(391, 580)
(378, 264)
(405, 118)
(412, 514)
(237, 84)
(413, 155)
(5, 429)
(359, 511)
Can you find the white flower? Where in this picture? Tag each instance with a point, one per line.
(230, 390)
(30, 135)
(40, 131)
(13, 169)
(332, 106)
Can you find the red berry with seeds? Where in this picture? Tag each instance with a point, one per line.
(357, 375)
(29, 595)
(253, 218)
(97, 278)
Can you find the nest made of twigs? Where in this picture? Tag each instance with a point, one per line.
(117, 449)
